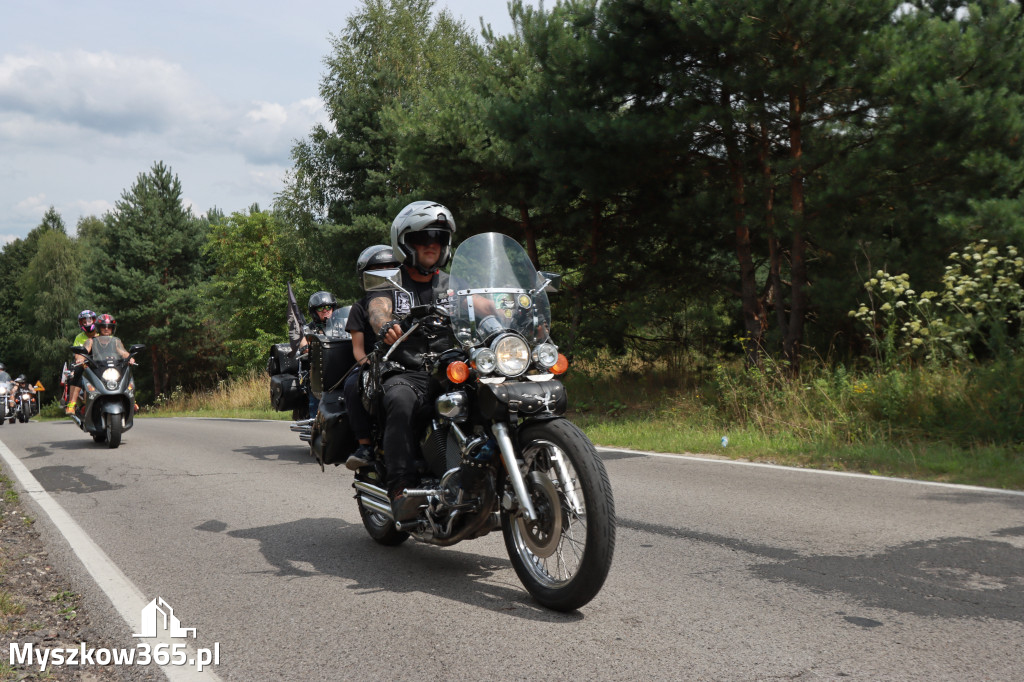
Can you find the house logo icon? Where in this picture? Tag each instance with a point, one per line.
(158, 615)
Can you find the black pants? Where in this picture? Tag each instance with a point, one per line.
(358, 419)
(406, 398)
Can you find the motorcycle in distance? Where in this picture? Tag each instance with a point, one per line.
(25, 400)
(108, 389)
(8, 402)
(497, 451)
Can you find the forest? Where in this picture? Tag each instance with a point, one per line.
(792, 185)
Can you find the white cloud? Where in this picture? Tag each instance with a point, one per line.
(87, 207)
(35, 205)
(98, 91)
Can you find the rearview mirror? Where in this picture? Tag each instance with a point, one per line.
(79, 350)
(552, 281)
(136, 348)
(381, 280)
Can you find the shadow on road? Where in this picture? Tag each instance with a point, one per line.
(333, 547)
(298, 453)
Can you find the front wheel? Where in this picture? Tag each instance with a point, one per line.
(562, 558)
(113, 430)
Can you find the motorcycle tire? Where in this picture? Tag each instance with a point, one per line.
(564, 557)
(113, 431)
(381, 528)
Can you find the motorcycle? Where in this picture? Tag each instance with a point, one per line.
(26, 404)
(496, 451)
(8, 402)
(108, 408)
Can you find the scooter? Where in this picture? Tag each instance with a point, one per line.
(109, 391)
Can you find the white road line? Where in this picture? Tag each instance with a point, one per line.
(126, 598)
(850, 474)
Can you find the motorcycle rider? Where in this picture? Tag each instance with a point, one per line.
(87, 323)
(105, 325)
(321, 308)
(4, 376)
(421, 237)
(376, 257)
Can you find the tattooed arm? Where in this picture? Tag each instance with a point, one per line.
(380, 312)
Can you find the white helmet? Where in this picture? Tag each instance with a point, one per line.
(432, 221)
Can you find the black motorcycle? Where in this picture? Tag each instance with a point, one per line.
(108, 390)
(26, 402)
(496, 450)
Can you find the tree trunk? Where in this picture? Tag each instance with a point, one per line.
(798, 265)
(754, 321)
(529, 233)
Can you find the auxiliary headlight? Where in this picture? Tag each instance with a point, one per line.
(545, 355)
(485, 360)
(513, 355)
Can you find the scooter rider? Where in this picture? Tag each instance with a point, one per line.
(105, 325)
(421, 237)
(376, 257)
(87, 323)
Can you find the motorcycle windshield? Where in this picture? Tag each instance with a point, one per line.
(495, 287)
(106, 348)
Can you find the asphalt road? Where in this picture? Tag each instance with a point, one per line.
(723, 571)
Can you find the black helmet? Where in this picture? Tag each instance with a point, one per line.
(428, 218)
(376, 257)
(20, 379)
(321, 298)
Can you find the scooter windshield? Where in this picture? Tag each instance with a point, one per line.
(107, 348)
(495, 287)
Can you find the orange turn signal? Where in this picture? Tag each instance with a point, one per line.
(561, 366)
(457, 372)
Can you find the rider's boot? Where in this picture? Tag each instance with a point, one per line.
(360, 458)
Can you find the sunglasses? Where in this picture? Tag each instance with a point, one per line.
(324, 308)
(426, 237)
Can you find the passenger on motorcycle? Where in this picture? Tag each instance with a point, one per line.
(379, 257)
(87, 323)
(421, 237)
(321, 307)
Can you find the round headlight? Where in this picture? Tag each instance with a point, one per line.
(513, 355)
(545, 355)
(485, 360)
(111, 375)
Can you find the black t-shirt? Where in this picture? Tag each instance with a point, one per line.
(410, 353)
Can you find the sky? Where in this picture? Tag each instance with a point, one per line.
(94, 92)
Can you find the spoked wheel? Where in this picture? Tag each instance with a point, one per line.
(113, 430)
(564, 556)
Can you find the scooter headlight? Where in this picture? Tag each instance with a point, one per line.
(111, 376)
(513, 355)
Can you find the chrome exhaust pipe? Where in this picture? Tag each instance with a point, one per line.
(306, 437)
(375, 505)
(369, 490)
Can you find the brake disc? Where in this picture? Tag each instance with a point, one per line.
(542, 536)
